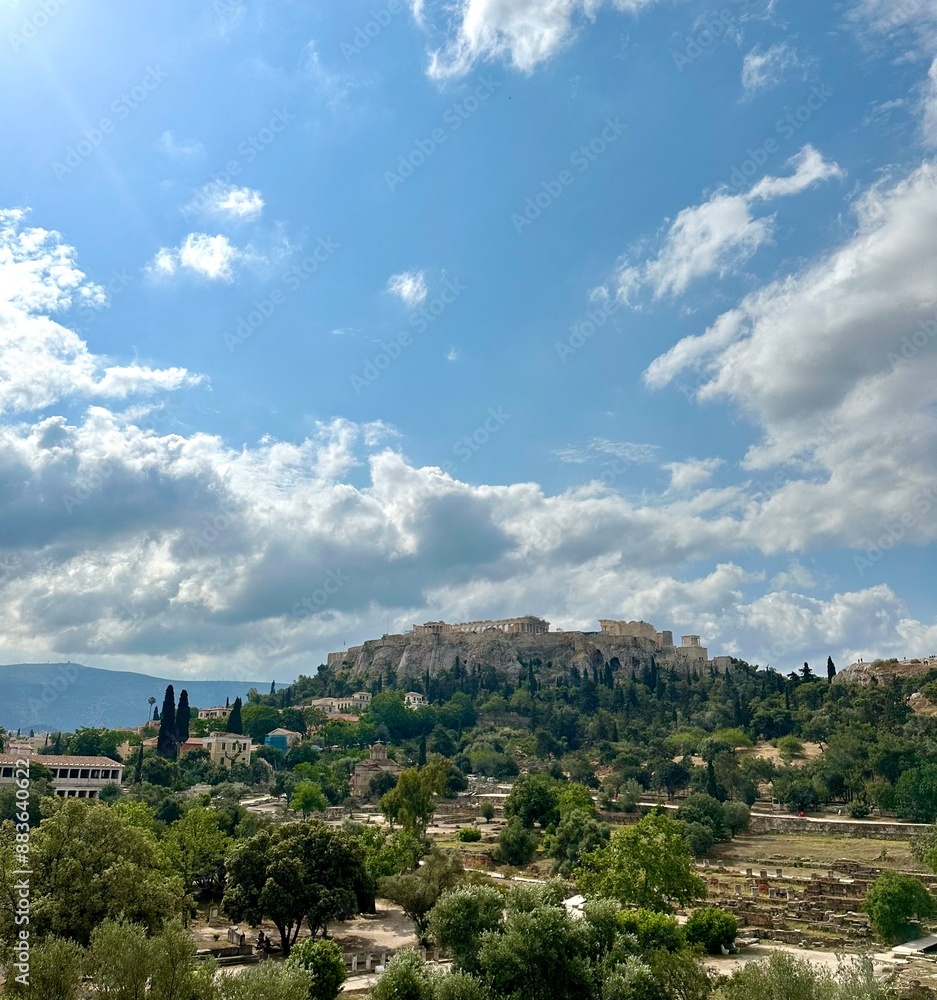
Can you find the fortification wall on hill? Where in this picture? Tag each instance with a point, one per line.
(416, 654)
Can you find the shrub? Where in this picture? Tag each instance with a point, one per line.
(322, 961)
(653, 930)
(858, 809)
(487, 811)
(469, 834)
(711, 928)
(516, 844)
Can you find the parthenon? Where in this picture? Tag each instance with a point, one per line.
(525, 624)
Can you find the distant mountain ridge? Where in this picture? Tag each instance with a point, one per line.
(65, 696)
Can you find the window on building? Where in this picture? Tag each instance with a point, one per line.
(7, 772)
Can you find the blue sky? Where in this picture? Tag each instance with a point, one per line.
(316, 323)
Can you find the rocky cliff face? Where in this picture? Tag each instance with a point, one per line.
(883, 671)
(414, 655)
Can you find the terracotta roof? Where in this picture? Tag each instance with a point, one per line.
(50, 761)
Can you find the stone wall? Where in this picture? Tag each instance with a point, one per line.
(880, 830)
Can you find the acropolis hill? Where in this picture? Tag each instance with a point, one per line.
(509, 644)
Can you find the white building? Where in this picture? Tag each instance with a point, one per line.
(72, 777)
(228, 748)
(413, 699)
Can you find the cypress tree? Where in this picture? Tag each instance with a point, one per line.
(166, 740)
(830, 668)
(182, 718)
(138, 767)
(421, 759)
(234, 719)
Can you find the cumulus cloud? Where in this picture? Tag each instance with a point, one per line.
(692, 473)
(122, 544)
(225, 201)
(213, 258)
(763, 69)
(42, 361)
(837, 366)
(525, 33)
(718, 236)
(409, 287)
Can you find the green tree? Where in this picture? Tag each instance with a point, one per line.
(183, 716)
(258, 720)
(411, 801)
(119, 960)
(487, 811)
(166, 738)
(916, 794)
(234, 724)
(267, 981)
(405, 978)
(323, 963)
(418, 891)
(55, 971)
(307, 797)
(539, 955)
(459, 919)
(712, 929)
(649, 865)
(516, 844)
(784, 976)
(703, 808)
(195, 846)
(89, 863)
(578, 833)
(533, 799)
(895, 903)
(736, 816)
(294, 873)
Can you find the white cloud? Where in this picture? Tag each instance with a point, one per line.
(718, 236)
(409, 287)
(179, 149)
(41, 361)
(837, 365)
(211, 257)
(692, 472)
(124, 545)
(526, 33)
(598, 447)
(333, 87)
(226, 201)
(452, 354)
(766, 68)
